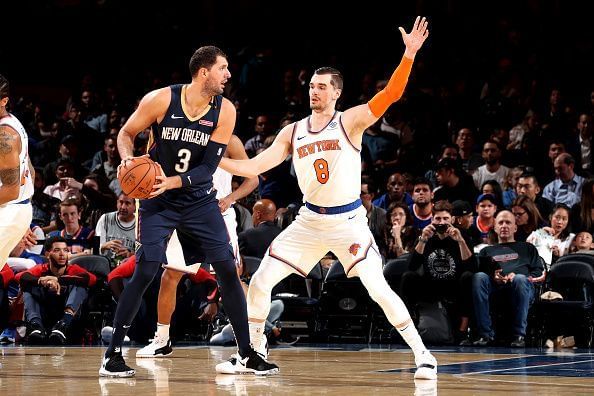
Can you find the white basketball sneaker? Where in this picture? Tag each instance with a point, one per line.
(228, 367)
(159, 347)
(254, 363)
(426, 366)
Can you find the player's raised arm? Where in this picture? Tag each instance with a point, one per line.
(10, 175)
(267, 159)
(358, 118)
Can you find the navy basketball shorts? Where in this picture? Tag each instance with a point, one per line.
(201, 230)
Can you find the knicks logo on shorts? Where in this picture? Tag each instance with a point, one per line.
(354, 249)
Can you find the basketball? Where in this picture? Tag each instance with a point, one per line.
(138, 177)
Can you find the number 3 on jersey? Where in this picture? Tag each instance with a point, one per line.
(184, 160)
(321, 168)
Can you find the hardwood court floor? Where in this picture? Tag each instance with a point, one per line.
(305, 370)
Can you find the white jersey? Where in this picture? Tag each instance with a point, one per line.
(26, 187)
(221, 181)
(327, 164)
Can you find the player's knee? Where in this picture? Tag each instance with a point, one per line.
(225, 270)
(170, 278)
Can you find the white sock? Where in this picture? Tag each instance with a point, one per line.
(412, 338)
(163, 331)
(256, 332)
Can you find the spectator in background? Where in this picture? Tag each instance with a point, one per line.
(64, 169)
(517, 267)
(73, 229)
(263, 128)
(255, 241)
(471, 160)
(527, 216)
(52, 290)
(485, 219)
(493, 169)
(567, 187)
(582, 243)
(376, 217)
(449, 150)
(554, 241)
(116, 230)
(509, 188)
(421, 209)
(95, 196)
(528, 185)
(463, 219)
(546, 171)
(582, 214)
(108, 167)
(45, 207)
(453, 184)
(580, 145)
(494, 188)
(400, 234)
(395, 192)
(68, 149)
(441, 266)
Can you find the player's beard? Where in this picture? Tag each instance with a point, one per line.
(212, 87)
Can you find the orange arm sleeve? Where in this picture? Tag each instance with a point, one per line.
(393, 91)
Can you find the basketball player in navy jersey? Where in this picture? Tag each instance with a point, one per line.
(191, 127)
(325, 149)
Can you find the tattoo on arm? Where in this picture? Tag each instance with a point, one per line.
(10, 177)
(6, 142)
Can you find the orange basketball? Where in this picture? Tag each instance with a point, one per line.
(138, 177)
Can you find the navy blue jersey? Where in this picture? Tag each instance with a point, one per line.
(178, 144)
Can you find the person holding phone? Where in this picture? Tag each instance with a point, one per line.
(441, 267)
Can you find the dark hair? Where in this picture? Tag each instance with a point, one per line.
(565, 233)
(404, 207)
(204, 57)
(371, 184)
(336, 80)
(529, 175)
(422, 180)
(497, 191)
(534, 216)
(496, 143)
(4, 87)
(47, 246)
(441, 206)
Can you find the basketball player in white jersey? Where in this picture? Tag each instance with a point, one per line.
(16, 178)
(326, 154)
(221, 179)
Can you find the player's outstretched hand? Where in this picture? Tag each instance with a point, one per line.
(125, 162)
(415, 39)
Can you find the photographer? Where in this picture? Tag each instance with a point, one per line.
(441, 267)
